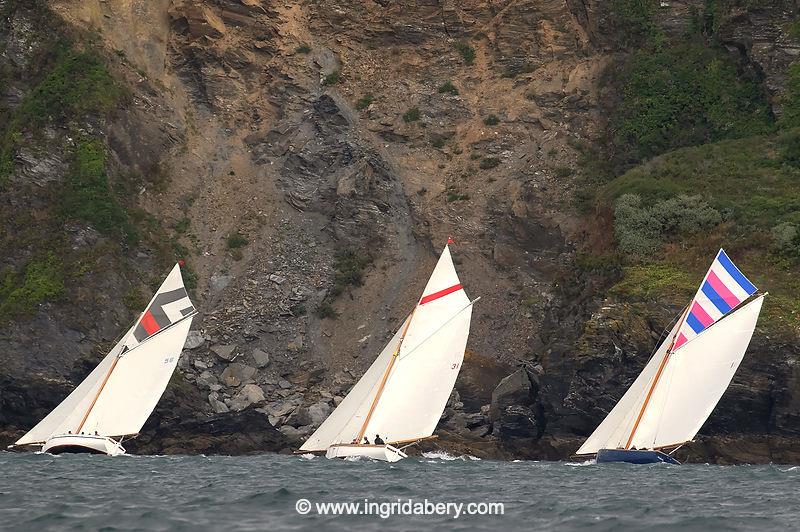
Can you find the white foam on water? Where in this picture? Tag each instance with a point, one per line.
(591, 461)
(308, 456)
(441, 455)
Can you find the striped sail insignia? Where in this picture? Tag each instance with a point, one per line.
(166, 309)
(440, 294)
(722, 290)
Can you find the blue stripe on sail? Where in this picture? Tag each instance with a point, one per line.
(694, 323)
(734, 272)
(715, 298)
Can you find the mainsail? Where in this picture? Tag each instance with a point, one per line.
(402, 395)
(121, 392)
(684, 380)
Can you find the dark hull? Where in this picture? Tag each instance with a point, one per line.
(633, 456)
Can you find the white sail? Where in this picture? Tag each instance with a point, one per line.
(137, 383)
(692, 382)
(614, 431)
(695, 378)
(132, 377)
(67, 416)
(412, 396)
(345, 423)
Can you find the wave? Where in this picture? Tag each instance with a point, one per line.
(441, 455)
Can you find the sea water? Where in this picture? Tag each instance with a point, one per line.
(277, 492)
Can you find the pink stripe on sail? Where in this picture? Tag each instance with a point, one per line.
(680, 341)
(720, 288)
(700, 313)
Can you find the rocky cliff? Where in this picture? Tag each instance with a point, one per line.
(308, 160)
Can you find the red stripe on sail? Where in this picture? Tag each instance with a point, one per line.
(441, 293)
(149, 323)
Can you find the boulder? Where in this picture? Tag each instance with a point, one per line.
(194, 340)
(236, 374)
(294, 433)
(216, 405)
(206, 380)
(260, 358)
(514, 389)
(225, 352)
(319, 412)
(248, 395)
(299, 417)
(219, 282)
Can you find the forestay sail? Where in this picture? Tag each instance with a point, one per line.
(672, 398)
(403, 399)
(120, 393)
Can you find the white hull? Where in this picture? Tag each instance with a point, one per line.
(82, 443)
(385, 453)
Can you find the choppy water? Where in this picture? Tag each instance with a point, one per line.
(42, 492)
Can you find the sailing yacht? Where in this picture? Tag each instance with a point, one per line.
(679, 387)
(119, 395)
(402, 395)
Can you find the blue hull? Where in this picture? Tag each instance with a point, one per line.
(632, 456)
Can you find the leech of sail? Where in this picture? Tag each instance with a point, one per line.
(384, 379)
(655, 380)
(114, 365)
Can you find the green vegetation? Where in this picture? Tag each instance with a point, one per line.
(349, 265)
(563, 172)
(635, 19)
(183, 225)
(412, 115)
(672, 213)
(236, 240)
(448, 87)
(364, 101)
(134, 301)
(438, 142)
(87, 194)
(303, 49)
(489, 162)
(467, 52)
(683, 95)
(75, 84)
(326, 310)
(641, 230)
(20, 295)
(491, 120)
(455, 196)
(332, 79)
(790, 100)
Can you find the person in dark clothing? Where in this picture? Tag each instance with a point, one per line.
(366, 441)
(378, 440)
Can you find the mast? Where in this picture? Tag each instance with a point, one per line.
(97, 396)
(384, 379)
(656, 379)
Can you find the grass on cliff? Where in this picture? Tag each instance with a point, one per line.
(75, 84)
(21, 292)
(754, 186)
(88, 195)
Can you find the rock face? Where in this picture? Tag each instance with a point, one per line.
(308, 161)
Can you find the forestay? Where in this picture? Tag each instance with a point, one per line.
(120, 393)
